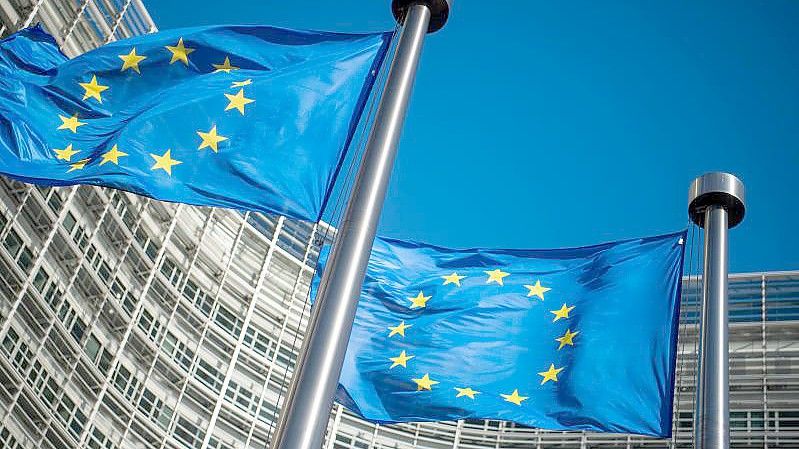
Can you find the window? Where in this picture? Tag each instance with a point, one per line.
(242, 397)
(52, 294)
(81, 238)
(55, 201)
(756, 420)
(202, 302)
(146, 244)
(40, 280)
(150, 325)
(70, 416)
(214, 443)
(25, 259)
(78, 328)
(124, 297)
(43, 384)
(738, 420)
(10, 342)
(256, 340)
(104, 271)
(177, 350)
(71, 321)
(92, 347)
(13, 243)
(104, 362)
(188, 433)
(17, 351)
(69, 223)
(268, 412)
(129, 303)
(97, 440)
(228, 321)
(285, 358)
(209, 375)
(125, 382)
(789, 420)
(8, 441)
(171, 271)
(155, 409)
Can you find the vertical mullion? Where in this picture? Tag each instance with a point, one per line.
(247, 318)
(115, 361)
(193, 366)
(283, 327)
(38, 261)
(159, 344)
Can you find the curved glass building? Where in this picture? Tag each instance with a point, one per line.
(130, 323)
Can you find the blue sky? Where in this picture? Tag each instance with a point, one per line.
(548, 124)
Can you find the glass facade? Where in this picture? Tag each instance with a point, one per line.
(130, 323)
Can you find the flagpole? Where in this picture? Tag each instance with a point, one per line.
(716, 203)
(305, 413)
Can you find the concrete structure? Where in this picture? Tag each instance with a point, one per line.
(129, 323)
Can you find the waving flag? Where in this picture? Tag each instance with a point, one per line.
(564, 339)
(245, 117)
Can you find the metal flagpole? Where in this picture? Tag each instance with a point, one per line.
(716, 203)
(305, 413)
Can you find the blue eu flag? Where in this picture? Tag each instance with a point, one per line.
(244, 117)
(564, 339)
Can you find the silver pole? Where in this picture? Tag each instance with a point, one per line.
(716, 203)
(305, 414)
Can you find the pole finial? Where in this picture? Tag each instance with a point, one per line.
(717, 189)
(439, 11)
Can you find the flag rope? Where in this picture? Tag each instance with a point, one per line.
(684, 326)
(338, 204)
(699, 262)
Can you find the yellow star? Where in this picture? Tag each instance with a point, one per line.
(496, 276)
(550, 374)
(70, 123)
(468, 392)
(238, 101)
(425, 383)
(180, 52)
(224, 67)
(78, 165)
(419, 301)
(514, 397)
(453, 279)
(566, 339)
(131, 61)
(93, 89)
(65, 154)
(537, 290)
(401, 360)
(210, 139)
(398, 329)
(164, 162)
(562, 313)
(112, 156)
(246, 82)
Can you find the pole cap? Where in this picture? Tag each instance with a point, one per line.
(717, 189)
(439, 11)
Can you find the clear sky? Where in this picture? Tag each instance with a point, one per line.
(538, 124)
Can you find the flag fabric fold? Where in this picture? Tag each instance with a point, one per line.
(564, 339)
(244, 117)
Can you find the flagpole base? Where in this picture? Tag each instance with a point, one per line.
(439, 11)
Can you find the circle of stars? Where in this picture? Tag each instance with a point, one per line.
(94, 90)
(535, 291)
